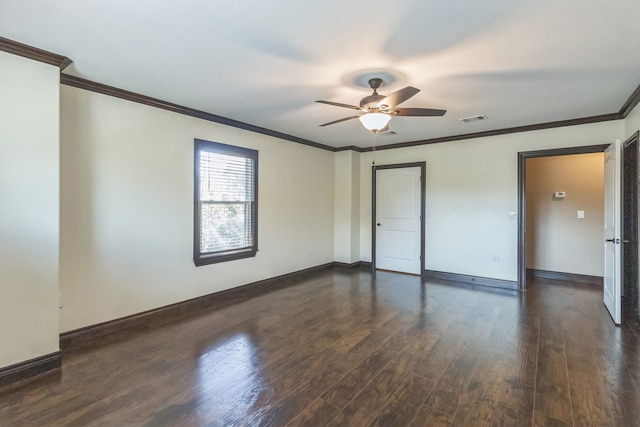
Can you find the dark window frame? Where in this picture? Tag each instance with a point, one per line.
(200, 258)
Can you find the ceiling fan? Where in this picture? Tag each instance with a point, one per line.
(379, 109)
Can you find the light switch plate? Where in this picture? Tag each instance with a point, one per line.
(581, 214)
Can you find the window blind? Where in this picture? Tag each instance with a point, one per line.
(227, 201)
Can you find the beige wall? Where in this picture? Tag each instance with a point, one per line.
(127, 208)
(556, 239)
(29, 170)
(471, 188)
(342, 201)
(355, 210)
(347, 207)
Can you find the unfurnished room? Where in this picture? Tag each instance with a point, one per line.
(299, 213)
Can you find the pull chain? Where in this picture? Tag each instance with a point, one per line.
(373, 149)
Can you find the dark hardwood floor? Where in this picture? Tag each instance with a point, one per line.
(341, 349)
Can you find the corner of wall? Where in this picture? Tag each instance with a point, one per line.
(355, 207)
(29, 225)
(632, 122)
(347, 206)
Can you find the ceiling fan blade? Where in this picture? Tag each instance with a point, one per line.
(398, 96)
(337, 104)
(338, 121)
(418, 112)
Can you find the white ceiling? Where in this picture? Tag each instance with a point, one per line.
(266, 62)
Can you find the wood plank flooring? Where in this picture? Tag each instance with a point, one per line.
(341, 349)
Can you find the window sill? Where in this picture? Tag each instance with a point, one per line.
(200, 260)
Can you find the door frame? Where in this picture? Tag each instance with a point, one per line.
(423, 187)
(522, 199)
(630, 147)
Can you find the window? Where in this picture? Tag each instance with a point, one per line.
(226, 203)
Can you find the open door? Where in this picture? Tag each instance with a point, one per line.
(612, 249)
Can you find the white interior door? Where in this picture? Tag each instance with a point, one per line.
(612, 248)
(398, 203)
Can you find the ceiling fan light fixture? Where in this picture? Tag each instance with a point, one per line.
(374, 121)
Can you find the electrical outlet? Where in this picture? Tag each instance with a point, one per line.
(495, 259)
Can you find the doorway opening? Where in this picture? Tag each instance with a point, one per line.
(522, 206)
(398, 217)
(626, 263)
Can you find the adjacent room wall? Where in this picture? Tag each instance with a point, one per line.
(471, 189)
(127, 208)
(29, 178)
(556, 239)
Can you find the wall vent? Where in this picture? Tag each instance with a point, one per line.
(474, 118)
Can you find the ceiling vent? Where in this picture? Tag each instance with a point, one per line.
(474, 118)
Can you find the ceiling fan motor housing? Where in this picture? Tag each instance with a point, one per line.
(371, 102)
